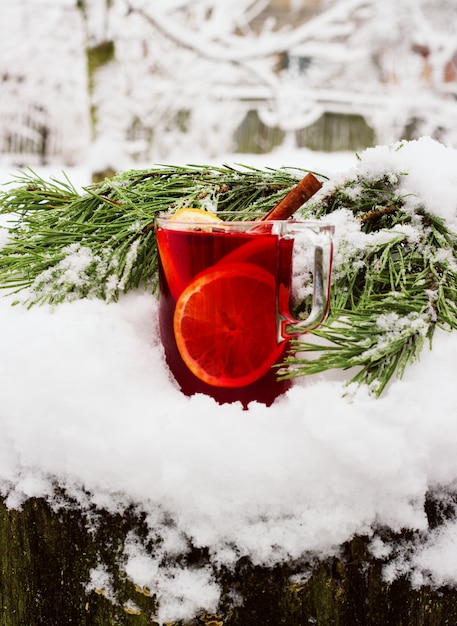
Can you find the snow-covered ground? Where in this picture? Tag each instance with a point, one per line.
(87, 400)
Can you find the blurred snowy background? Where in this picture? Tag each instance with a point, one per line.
(121, 83)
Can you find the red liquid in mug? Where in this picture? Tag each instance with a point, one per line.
(183, 256)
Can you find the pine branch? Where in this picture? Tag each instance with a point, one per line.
(64, 245)
(389, 292)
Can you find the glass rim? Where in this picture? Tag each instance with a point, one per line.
(165, 219)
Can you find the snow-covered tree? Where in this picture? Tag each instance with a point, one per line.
(180, 74)
(178, 77)
(390, 61)
(43, 105)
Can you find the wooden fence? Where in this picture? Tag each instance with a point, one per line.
(26, 135)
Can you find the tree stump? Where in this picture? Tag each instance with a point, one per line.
(47, 556)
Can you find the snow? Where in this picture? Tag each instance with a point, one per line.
(87, 402)
(208, 66)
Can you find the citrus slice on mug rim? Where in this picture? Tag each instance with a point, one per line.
(225, 324)
(194, 216)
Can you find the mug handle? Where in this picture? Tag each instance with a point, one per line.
(321, 293)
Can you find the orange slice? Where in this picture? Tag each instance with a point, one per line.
(225, 324)
(263, 249)
(194, 216)
(175, 282)
(172, 277)
(256, 250)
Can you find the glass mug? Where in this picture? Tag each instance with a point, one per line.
(225, 300)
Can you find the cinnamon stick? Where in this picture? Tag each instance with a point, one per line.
(297, 196)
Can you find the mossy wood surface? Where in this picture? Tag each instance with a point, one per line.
(46, 558)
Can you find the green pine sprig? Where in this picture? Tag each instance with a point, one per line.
(65, 245)
(389, 293)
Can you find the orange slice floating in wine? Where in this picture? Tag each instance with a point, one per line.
(254, 250)
(225, 324)
(191, 216)
(173, 279)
